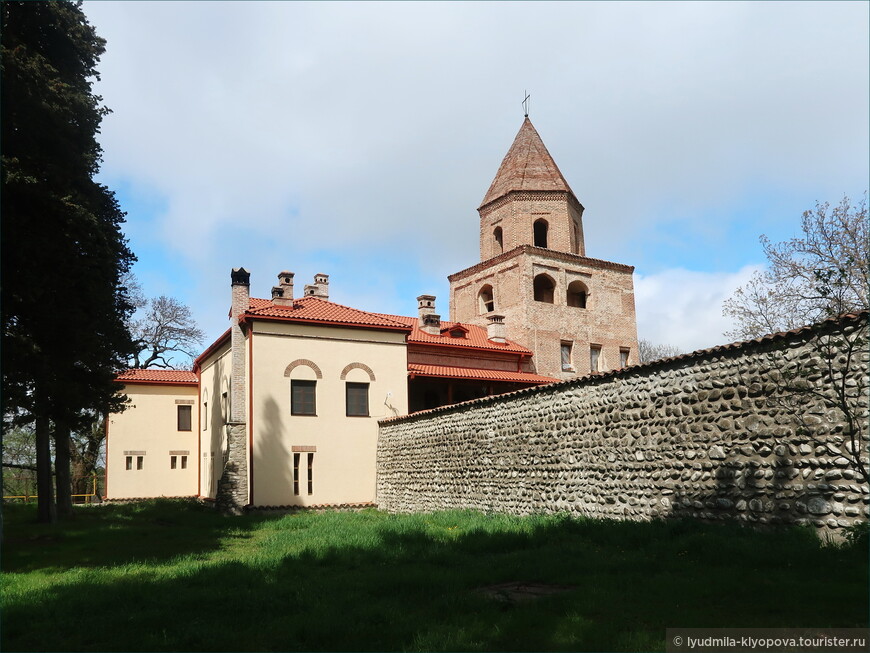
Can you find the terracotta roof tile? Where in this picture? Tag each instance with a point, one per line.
(181, 377)
(476, 338)
(447, 372)
(315, 309)
(527, 166)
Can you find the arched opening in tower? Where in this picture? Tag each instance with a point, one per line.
(577, 294)
(541, 228)
(498, 245)
(485, 300)
(544, 286)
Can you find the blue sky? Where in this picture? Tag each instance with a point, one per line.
(358, 139)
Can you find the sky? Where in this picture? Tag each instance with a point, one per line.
(358, 139)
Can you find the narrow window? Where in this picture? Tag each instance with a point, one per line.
(184, 462)
(140, 460)
(303, 397)
(205, 416)
(540, 228)
(566, 357)
(577, 294)
(357, 396)
(129, 463)
(485, 300)
(543, 287)
(296, 474)
(311, 473)
(623, 357)
(224, 408)
(499, 241)
(184, 413)
(576, 238)
(173, 462)
(594, 357)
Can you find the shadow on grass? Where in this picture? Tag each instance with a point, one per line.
(370, 581)
(116, 534)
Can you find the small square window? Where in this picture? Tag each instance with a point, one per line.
(357, 395)
(566, 357)
(184, 417)
(595, 358)
(303, 398)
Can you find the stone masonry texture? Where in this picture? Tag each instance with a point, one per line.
(751, 432)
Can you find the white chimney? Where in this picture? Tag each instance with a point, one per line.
(495, 330)
(427, 320)
(320, 288)
(282, 294)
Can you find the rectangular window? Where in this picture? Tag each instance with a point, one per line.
(311, 473)
(225, 408)
(566, 357)
(296, 474)
(129, 463)
(302, 398)
(184, 462)
(623, 357)
(184, 414)
(594, 357)
(173, 462)
(140, 461)
(357, 395)
(205, 416)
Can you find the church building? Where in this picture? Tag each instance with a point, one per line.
(283, 408)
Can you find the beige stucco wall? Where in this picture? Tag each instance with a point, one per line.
(215, 374)
(345, 447)
(149, 428)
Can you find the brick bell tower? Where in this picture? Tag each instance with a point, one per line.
(575, 313)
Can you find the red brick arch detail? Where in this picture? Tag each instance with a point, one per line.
(357, 366)
(303, 361)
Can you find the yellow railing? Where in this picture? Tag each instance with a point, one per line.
(28, 497)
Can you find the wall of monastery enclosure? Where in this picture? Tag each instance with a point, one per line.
(754, 431)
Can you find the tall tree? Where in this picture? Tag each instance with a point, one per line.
(166, 330)
(823, 272)
(63, 253)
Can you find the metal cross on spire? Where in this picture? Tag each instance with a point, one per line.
(526, 104)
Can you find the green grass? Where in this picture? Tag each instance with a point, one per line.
(175, 576)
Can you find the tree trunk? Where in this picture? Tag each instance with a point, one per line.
(46, 512)
(61, 470)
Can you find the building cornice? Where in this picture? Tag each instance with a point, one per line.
(530, 195)
(553, 255)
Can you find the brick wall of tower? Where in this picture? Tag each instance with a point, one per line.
(608, 320)
(517, 212)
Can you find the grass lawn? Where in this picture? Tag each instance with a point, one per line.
(176, 576)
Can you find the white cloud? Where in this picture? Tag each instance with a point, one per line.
(684, 307)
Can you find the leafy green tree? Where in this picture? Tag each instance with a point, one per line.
(63, 253)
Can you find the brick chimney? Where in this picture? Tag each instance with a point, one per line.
(232, 490)
(427, 319)
(282, 294)
(495, 328)
(320, 288)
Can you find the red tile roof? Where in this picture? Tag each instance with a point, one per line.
(476, 338)
(162, 377)
(527, 166)
(447, 372)
(314, 309)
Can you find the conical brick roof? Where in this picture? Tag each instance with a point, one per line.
(527, 166)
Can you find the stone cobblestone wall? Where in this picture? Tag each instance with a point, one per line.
(757, 432)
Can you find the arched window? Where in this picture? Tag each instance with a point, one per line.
(499, 241)
(485, 300)
(540, 228)
(577, 294)
(544, 287)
